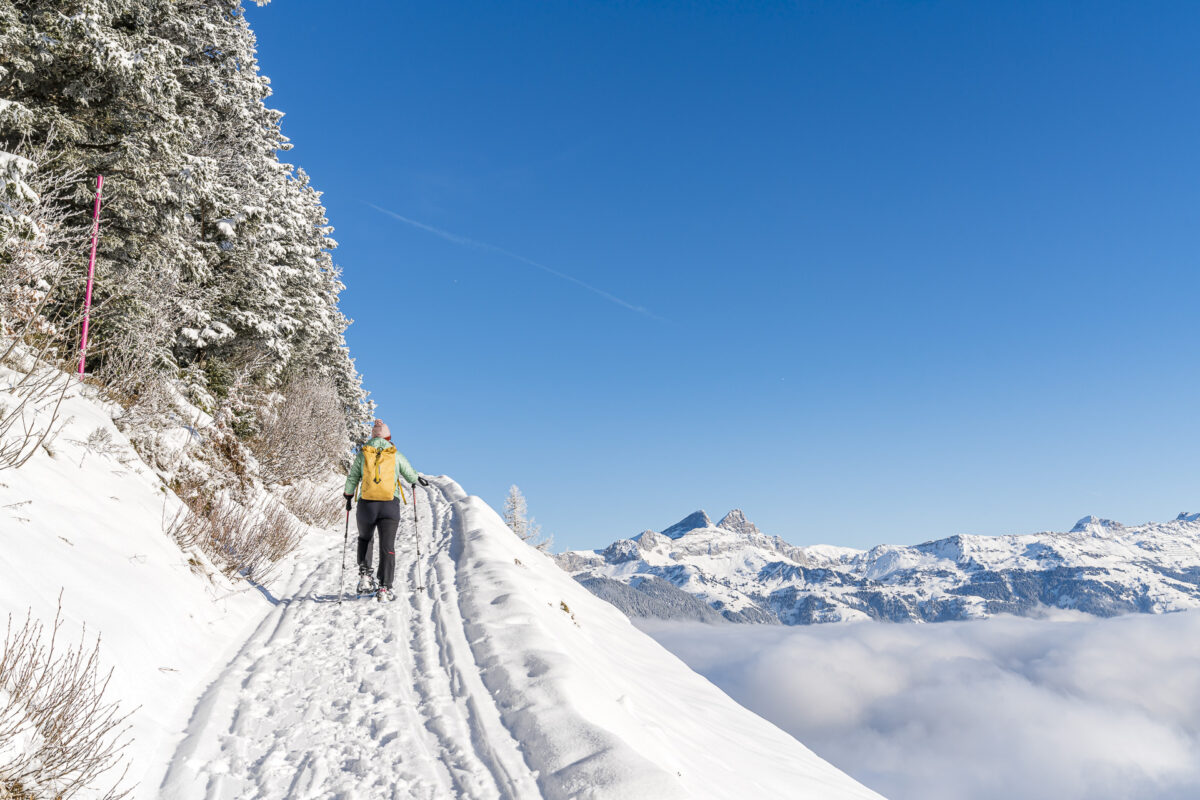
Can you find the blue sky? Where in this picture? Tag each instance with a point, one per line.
(905, 269)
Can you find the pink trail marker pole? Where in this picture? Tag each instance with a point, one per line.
(87, 301)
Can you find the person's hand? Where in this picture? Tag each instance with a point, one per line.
(421, 480)
(349, 500)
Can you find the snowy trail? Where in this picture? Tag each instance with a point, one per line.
(358, 700)
(501, 679)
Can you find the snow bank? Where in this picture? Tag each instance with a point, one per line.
(601, 710)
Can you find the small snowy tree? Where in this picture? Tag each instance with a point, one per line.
(516, 516)
(515, 512)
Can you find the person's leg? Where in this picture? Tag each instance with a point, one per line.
(366, 519)
(387, 551)
(388, 520)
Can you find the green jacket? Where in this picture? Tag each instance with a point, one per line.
(403, 468)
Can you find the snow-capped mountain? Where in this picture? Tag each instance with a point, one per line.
(1099, 567)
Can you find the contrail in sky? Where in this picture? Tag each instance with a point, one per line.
(466, 242)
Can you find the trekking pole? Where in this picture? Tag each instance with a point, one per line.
(417, 535)
(416, 523)
(345, 544)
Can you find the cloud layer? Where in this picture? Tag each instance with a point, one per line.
(1054, 709)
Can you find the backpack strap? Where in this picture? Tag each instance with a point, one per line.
(375, 464)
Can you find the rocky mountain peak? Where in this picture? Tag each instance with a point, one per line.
(736, 522)
(649, 540)
(1092, 519)
(621, 551)
(697, 519)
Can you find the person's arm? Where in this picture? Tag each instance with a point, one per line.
(355, 475)
(405, 470)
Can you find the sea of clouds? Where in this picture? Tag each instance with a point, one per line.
(1063, 708)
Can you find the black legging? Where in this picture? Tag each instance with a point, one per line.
(384, 515)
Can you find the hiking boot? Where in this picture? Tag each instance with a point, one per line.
(386, 595)
(366, 583)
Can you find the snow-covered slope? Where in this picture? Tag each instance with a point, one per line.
(501, 678)
(85, 517)
(1099, 567)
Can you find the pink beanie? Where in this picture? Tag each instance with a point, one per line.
(381, 430)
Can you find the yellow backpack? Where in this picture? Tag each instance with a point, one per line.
(379, 473)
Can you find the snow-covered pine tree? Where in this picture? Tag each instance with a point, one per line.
(516, 512)
(17, 226)
(99, 81)
(270, 285)
(216, 257)
(516, 516)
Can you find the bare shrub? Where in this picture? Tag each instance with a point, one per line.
(130, 362)
(312, 506)
(57, 735)
(29, 406)
(100, 442)
(34, 332)
(277, 533)
(543, 543)
(240, 540)
(303, 433)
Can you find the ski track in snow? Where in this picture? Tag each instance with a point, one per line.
(358, 700)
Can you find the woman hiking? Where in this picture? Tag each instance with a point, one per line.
(378, 468)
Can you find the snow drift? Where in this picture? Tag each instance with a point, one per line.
(600, 707)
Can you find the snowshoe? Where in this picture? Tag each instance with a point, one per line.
(366, 583)
(386, 595)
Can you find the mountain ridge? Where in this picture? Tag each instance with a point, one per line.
(1099, 567)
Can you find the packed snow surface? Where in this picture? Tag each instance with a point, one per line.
(501, 678)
